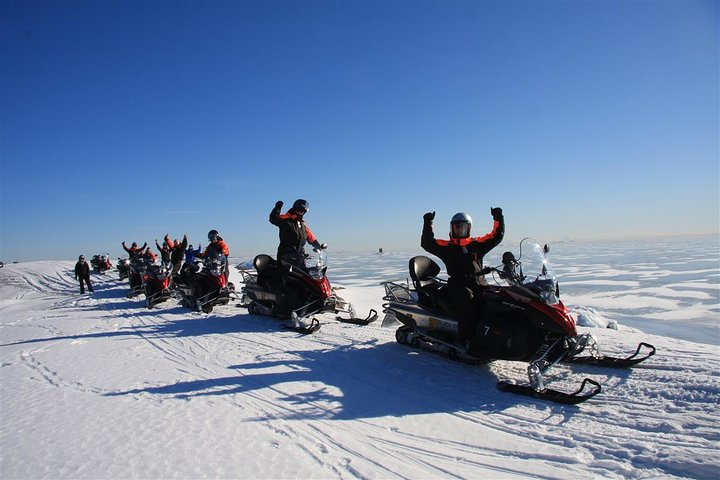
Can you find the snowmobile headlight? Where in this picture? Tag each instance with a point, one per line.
(549, 297)
(316, 273)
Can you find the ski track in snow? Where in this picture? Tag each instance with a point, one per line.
(104, 388)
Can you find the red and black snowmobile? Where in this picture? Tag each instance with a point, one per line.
(123, 267)
(520, 318)
(101, 263)
(204, 284)
(136, 276)
(157, 282)
(288, 291)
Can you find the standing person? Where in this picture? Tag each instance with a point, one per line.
(177, 252)
(294, 232)
(82, 273)
(463, 258)
(134, 251)
(164, 251)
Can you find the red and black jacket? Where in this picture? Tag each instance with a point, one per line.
(463, 256)
(293, 231)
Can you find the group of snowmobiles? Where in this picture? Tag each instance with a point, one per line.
(522, 317)
(199, 285)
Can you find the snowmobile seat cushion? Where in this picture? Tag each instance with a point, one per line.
(422, 271)
(262, 262)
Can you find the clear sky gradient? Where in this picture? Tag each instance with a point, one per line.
(126, 120)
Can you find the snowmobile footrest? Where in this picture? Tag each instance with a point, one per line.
(372, 316)
(614, 361)
(553, 395)
(305, 330)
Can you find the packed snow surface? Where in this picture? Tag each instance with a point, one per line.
(101, 387)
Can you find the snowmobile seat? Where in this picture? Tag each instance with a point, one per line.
(262, 262)
(423, 271)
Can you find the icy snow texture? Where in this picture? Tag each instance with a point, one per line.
(101, 387)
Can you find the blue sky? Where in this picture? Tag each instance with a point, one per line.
(126, 120)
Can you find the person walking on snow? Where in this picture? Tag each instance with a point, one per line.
(82, 273)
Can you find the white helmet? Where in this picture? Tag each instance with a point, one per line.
(460, 225)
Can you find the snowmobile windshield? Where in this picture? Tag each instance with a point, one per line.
(316, 263)
(537, 273)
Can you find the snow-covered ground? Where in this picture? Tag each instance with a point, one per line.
(101, 387)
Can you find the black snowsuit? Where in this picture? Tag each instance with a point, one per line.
(164, 252)
(82, 273)
(294, 234)
(134, 253)
(177, 253)
(463, 262)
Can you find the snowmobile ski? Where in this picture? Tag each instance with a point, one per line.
(553, 395)
(304, 329)
(372, 316)
(615, 362)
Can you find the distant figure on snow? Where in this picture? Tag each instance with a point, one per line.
(82, 273)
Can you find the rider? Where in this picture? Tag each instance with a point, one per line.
(177, 252)
(217, 246)
(134, 251)
(294, 232)
(149, 256)
(463, 257)
(164, 250)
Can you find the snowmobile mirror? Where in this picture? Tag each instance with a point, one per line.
(508, 258)
(546, 248)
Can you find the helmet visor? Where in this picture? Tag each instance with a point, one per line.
(460, 230)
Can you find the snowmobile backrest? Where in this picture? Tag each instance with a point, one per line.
(262, 262)
(423, 271)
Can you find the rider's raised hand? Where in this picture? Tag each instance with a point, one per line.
(429, 217)
(278, 204)
(496, 213)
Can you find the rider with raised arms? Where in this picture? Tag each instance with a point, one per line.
(294, 232)
(463, 256)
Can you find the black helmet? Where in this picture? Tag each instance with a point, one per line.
(213, 235)
(460, 225)
(301, 205)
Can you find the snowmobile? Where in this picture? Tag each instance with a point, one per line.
(136, 276)
(203, 284)
(100, 263)
(520, 318)
(157, 281)
(123, 266)
(283, 290)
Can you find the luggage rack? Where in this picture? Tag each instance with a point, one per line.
(399, 292)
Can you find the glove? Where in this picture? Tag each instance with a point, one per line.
(429, 217)
(278, 204)
(317, 246)
(496, 213)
